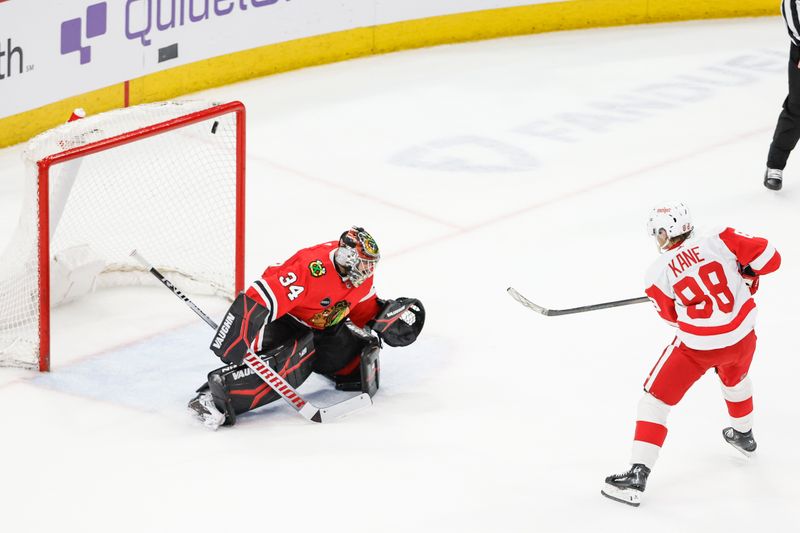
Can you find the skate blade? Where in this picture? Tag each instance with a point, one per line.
(747, 454)
(206, 419)
(627, 496)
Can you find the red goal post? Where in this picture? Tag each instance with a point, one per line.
(166, 178)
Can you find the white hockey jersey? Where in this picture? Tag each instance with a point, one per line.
(697, 286)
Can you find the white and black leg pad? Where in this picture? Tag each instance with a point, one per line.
(370, 369)
(221, 396)
(362, 372)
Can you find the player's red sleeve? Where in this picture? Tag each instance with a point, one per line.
(365, 310)
(665, 306)
(762, 257)
(280, 288)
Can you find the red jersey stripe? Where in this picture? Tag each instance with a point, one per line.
(748, 306)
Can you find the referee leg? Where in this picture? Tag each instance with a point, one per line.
(787, 130)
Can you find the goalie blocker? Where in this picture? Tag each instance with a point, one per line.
(238, 329)
(345, 353)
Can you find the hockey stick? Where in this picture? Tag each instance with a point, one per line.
(272, 378)
(556, 312)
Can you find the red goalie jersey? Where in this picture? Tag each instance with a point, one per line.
(308, 287)
(698, 287)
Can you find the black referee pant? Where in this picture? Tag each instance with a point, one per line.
(787, 131)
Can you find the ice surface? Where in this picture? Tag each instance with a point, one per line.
(531, 162)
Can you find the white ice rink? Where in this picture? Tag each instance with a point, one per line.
(531, 161)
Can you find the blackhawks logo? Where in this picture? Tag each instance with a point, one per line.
(370, 246)
(317, 268)
(331, 316)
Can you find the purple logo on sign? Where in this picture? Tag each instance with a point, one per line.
(71, 31)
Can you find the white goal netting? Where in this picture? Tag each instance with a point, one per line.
(161, 178)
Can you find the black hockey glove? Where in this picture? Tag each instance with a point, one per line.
(750, 277)
(238, 329)
(400, 321)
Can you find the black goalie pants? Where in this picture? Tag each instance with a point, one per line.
(295, 350)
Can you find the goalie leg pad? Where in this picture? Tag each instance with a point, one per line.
(362, 372)
(338, 346)
(237, 389)
(370, 370)
(221, 396)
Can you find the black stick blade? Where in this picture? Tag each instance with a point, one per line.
(557, 312)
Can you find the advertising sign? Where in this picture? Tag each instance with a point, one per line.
(54, 49)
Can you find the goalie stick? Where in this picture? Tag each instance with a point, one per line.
(272, 378)
(556, 312)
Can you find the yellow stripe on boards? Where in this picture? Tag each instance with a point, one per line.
(239, 66)
(349, 44)
(23, 126)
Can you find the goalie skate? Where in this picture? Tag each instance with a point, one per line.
(203, 407)
(628, 487)
(744, 442)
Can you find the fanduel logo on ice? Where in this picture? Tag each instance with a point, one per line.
(72, 31)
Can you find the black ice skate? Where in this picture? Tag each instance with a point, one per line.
(773, 179)
(203, 407)
(627, 487)
(744, 442)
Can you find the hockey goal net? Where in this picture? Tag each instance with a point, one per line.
(166, 179)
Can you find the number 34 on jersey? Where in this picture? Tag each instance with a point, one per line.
(294, 290)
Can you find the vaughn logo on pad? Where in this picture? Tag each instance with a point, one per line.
(223, 331)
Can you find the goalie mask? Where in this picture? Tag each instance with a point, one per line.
(672, 217)
(356, 256)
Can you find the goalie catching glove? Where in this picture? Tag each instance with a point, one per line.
(238, 330)
(400, 321)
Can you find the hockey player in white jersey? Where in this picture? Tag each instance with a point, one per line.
(704, 287)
